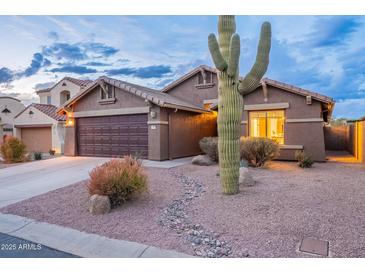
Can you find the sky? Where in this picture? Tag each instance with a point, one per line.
(325, 54)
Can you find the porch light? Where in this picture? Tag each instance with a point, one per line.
(31, 113)
(70, 120)
(70, 123)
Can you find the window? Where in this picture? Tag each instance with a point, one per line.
(64, 96)
(205, 79)
(109, 92)
(269, 124)
(48, 99)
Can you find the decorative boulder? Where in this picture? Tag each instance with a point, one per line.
(245, 177)
(202, 160)
(99, 204)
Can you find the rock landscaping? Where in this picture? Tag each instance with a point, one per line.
(186, 211)
(202, 160)
(205, 243)
(99, 204)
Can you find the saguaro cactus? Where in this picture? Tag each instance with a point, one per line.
(231, 87)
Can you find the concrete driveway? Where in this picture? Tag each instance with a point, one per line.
(24, 181)
(30, 179)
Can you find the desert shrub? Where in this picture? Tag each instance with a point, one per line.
(257, 150)
(304, 160)
(13, 150)
(51, 152)
(119, 179)
(37, 155)
(209, 145)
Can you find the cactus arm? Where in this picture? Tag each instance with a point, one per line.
(252, 79)
(217, 56)
(234, 55)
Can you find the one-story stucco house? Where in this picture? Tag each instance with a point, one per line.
(113, 118)
(9, 108)
(39, 126)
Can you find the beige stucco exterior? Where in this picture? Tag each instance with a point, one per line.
(39, 120)
(303, 125)
(15, 107)
(56, 92)
(43, 97)
(175, 133)
(164, 128)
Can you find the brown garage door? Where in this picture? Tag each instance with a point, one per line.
(113, 136)
(37, 139)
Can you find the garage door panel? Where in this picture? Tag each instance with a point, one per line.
(113, 136)
(37, 139)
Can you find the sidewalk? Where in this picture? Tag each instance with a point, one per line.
(79, 243)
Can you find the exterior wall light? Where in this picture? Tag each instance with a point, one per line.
(153, 114)
(31, 113)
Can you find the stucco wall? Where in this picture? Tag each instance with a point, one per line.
(56, 91)
(158, 133)
(13, 105)
(186, 130)
(43, 97)
(123, 100)
(188, 91)
(308, 134)
(38, 118)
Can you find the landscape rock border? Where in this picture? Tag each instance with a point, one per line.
(205, 243)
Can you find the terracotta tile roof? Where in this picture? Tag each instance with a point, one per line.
(187, 76)
(154, 96)
(49, 110)
(79, 82)
(300, 91)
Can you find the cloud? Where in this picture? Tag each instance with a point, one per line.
(97, 64)
(142, 72)
(37, 63)
(333, 31)
(6, 75)
(53, 35)
(164, 82)
(11, 94)
(78, 51)
(44, 85)
(74, 69)
(99, 48)
(65, 51)
(350, 108)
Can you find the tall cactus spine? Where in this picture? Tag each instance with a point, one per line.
(231, 87)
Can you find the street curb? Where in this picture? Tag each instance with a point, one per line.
(79, 243)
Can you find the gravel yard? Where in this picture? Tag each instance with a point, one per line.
(185, 211)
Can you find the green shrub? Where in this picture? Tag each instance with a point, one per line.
(13, 150)
(257, 151)
(304, 161)
(51, 152)
(119, 179)
(37, 156)
(209, 145)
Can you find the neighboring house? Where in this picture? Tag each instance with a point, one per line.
(113, 118)
(40, 121)
(62, 91)
(9, 107)
(40, 128)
